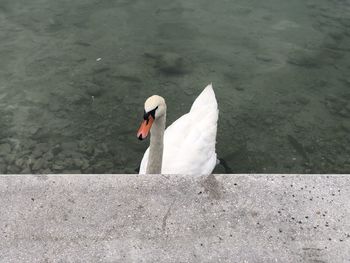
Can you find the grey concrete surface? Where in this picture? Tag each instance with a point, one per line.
(154, 218)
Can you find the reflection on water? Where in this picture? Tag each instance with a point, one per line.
(74, 76)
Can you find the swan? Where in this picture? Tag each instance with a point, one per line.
(188, 145)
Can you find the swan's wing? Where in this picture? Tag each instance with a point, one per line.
(189, 143)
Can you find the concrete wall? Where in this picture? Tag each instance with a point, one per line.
(155, 218)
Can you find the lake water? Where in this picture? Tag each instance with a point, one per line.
(74, 76)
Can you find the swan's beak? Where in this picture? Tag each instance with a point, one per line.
(145, 127)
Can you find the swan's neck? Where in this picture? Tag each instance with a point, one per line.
(155, 157)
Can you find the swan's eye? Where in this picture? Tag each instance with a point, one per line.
(152, 113)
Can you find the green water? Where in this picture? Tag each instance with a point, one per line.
(74, 76)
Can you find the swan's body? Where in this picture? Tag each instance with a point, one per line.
(189, 143)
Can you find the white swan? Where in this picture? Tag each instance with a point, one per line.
(188, 145)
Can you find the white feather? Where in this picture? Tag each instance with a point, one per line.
(189, 143)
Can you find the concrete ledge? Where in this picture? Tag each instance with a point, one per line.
(157, 218)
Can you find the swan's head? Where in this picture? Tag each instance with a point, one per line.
(155, 108)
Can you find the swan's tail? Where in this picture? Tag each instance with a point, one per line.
(206, 98)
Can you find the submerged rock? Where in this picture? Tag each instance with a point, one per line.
(304, 58)
(346, 126)
(298, 146)
(40, 149)
(344, 113)
(347, 107)
(54, 106)
(3, 168)
(13, 169)
(240, 87)
(10, 158)
(302, 100)
(86, 147)
(46, 171)
(337, 105)
(169, 63)
(103, 166)
(56, 149)
(81, 163)
(93, 89)
(332, 98)
(5, 149)
(33, 130)
(263, 58)
(48, 156)
(39, 164)
(57, 167)
(69, 146)
(26, 171)
(21, 162)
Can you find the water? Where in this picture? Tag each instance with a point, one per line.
(74, 76)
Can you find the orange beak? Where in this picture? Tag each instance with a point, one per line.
(145, 128)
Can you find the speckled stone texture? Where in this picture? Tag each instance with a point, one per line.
(158, 218)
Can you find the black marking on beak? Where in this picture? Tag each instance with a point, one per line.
(140, 137)
(150, 113)
(145, 115)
